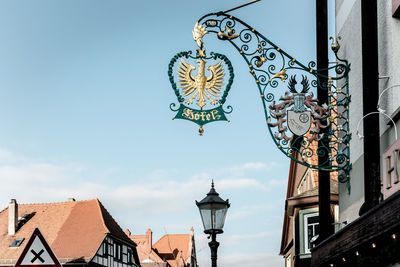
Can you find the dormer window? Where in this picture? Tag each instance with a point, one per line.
(16, 242)
(308, 229)
(311, 229)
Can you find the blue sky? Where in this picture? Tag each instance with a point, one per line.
(84, 113)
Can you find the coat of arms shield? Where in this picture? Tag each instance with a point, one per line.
(299, 122)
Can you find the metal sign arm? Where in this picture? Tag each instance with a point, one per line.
(271, 67)
(296, 119)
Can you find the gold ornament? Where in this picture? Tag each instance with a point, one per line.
(200, 86)
(198, 32)
(227, 36)
(280, 75)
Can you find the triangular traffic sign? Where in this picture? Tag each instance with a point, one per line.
(37, 253)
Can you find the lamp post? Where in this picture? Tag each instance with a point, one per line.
(213, 212)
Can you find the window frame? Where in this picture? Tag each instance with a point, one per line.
(303, 252)
(288, 261)
(130, 256)
(105, 249)
(117, 251)
(305, 229)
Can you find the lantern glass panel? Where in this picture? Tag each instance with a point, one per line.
(213, 216)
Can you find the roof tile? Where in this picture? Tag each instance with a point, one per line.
(74, 229)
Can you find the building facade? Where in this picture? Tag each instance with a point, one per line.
(301, 217)
(80, 233)
(368, 214)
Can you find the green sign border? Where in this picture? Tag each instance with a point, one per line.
(201, 117)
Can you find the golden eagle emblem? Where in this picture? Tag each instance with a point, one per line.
(200, 86)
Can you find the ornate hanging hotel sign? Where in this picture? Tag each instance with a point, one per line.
(201, 96)
(297, 121)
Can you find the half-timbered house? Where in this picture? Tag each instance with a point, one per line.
(80, 233)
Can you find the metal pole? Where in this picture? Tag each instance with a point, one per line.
(214, 248)
(370, 76)
(249, 3)
(324, 194)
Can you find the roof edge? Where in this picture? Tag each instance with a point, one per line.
(107, 231)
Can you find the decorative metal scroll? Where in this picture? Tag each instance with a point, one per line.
(287, 88)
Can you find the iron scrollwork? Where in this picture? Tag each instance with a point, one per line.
(276, 72)
(287, 88)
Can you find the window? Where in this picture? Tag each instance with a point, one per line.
(393, 167)
(105, 249)
(117, 251)
(311, 229)
(130, 256)
(17, 242)
(289, 261)
(306, 183)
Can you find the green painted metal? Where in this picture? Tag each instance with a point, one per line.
(201, 117)
(253, 47)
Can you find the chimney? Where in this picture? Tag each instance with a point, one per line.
(12, 217)
(149, 240)
(128, 232)
(191, 231)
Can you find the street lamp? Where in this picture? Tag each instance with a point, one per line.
(213, 212)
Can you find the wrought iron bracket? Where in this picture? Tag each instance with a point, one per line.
(293, 116)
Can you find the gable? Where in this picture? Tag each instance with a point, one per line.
(74, 229)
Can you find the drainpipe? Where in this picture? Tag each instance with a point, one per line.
(372, 181)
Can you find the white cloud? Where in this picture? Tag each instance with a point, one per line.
(35, 182)
(247, 212)
(251, 166)
(233, 240)
(243, 259)
(258, 166)
(32, 181)
(161, 174)
(276, 182)
(239, 259)
(251, 260)
(227, 184)
(10, 158)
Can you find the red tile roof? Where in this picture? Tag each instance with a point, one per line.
(174, 248)
(144, 248)
(74, 230)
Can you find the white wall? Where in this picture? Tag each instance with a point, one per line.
(348, 26)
